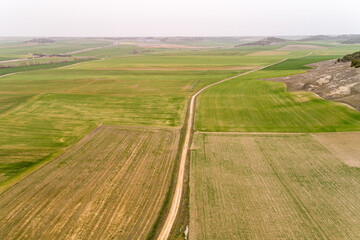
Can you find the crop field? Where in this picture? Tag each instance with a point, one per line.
(270, 187)
(118, 51)
(299, 63)
(246, 104)
(60, 106)
(344, 146)
(22, 49)
(339, 49)
(8, 101)
(70, 79)
(42, 60)
(88, 150)
(42, 65)
(111, 185)
(192, 60)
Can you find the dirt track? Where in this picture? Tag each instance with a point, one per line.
(175, 204)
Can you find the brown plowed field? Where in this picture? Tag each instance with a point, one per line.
(111, 185)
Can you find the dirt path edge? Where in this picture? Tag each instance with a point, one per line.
(176, 200)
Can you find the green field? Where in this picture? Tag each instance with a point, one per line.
(8, 70)
(270, 187)
(8, 101)
(21, 49)
(49, 110)
(300, 63)
(182, 61)
(247, 104)
(242, 186)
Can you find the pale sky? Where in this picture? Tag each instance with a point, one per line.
(121, 18)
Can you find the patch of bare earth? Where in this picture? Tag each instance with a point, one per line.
(338, 82)
(344, 146)
(111, 185)
(302, 47)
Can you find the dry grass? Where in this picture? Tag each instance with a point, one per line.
(111, 185)
(271, 187)
(344, 146)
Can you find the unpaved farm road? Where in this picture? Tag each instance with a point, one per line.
(175, 204)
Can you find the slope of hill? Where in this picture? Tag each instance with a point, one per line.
(317, 38)
(352, 40)
(265, 41)
(344, 39)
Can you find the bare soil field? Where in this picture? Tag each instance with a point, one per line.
(338, 82)
(111, 185)
(344, 146)
(302, 47)
(272, 186)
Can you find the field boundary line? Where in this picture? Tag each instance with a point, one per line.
(59, 152)
(21, 104)
(175, 203)
(8, 74)
(255, 133)
(49, 158)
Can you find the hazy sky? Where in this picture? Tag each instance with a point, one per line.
(177, 17)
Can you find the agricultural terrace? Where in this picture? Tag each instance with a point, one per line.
(111, 185)
(254, 186)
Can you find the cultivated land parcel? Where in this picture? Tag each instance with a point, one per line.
(257, 186)
(106, 132)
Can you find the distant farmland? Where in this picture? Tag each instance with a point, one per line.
(111, 185)
(271, 187)
(46, 63)
(88, 150)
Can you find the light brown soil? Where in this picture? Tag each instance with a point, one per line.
(338, 82)
(111, 185)
(344, 146)
(302, 47)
